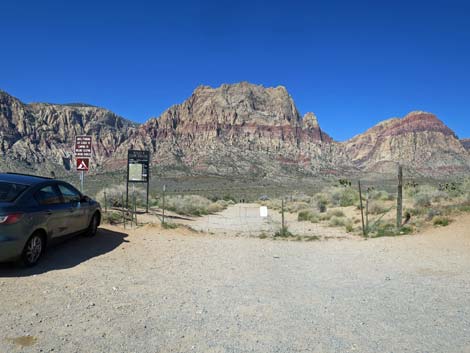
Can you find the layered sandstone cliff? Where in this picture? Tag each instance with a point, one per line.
(237, 129)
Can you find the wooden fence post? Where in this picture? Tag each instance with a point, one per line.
(400, 197)
(282, 215)
(367, 211)
(163, 205)
(362, 208)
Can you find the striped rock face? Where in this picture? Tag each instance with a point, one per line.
(238, 129)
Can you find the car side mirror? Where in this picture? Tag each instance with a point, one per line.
(84, 198)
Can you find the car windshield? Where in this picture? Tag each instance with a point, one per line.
(10, 191)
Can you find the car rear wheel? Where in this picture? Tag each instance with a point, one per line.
(93, 227)
(33, 250)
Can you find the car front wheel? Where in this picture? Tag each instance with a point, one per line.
(93, 227)
(33, 250)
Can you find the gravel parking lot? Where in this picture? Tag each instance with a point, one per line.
(154, 290)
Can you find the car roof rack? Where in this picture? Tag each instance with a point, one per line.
(30, 175)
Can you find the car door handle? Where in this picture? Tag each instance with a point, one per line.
(49, 212)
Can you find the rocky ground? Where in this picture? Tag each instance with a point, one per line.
(154, 290)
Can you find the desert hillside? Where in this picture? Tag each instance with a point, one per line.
(235, 129)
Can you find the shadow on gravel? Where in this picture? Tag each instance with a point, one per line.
(68, 253)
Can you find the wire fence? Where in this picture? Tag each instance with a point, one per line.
(235, 215)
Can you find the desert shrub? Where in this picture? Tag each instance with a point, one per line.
(422, 199)
(406, 230)
(218, 206)
(322, 205)
(301, 197)
(441, 221)
(432, 213)
(228, 198)
(308, 215)
(296, 206)
(283, 233)
(321, 200)
(339, 222)
(272, 204)
(466, 186)
(386, 230)
(191, 205)
(349, 228)
(438, 196)
(112, 217)
(349, 197)
(411, 189)
(344, 197)
(376, 207)
(116, 193)
(381, 195)
(337, 213)
(169, 225)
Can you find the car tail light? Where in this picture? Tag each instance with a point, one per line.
(11, 218)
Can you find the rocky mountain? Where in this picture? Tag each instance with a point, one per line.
(233, 130)
(237, 129)
(420, 141)
(466, 143)
(42, 135)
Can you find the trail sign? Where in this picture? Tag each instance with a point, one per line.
(138, 166)
(83, 147)
(138, 171)
(83, 164)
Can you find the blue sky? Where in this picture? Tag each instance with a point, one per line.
(353, 63)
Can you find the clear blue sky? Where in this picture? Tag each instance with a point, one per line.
(353, 63)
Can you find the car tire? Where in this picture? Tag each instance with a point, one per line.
(33, 249)
(93, 227)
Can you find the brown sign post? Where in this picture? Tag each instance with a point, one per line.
(82, 156)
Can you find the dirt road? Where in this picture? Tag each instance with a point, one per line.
(244, 220)
(175, 291)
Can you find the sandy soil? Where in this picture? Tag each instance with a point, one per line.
(245, 220)
(153, 290)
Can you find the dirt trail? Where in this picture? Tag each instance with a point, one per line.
(245, 220)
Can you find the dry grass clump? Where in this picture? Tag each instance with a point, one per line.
(117, 193)
(381, 195)
(342, 196)
(308, 215)
(341, 222)
(219, 205)
(377, 207)
(194, 205)
(112, 217)
(441, 221)
(296, 206)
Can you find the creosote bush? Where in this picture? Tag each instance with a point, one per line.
(441, 221)
(194, 205)
(115, 193)
(112, 217)
(376, 207)
(381, 195)
(308, 215)
(283, 233)
(343, 196)
(296, 206)
(169, 225)
(339, 222)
